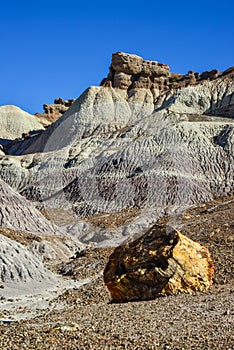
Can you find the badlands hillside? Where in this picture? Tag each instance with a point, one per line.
(89, 174)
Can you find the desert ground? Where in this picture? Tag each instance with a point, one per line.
(82, 315)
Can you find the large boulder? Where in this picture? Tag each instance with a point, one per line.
(161, 262)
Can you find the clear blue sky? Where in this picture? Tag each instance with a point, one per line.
(52, 49)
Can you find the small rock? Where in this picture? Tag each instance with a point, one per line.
(65, 327)
(227, 312)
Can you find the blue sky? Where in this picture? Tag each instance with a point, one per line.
(53, 49)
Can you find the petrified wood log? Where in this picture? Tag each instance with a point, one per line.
(161, 262)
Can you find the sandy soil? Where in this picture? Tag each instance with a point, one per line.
(84, 317)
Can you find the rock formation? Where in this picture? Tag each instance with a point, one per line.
(161, 262)
(145, 143)
(131, 71)
(146, 140)
(54, 111)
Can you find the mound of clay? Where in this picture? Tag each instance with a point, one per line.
(20, 266)
(15, 122)
(19, 214)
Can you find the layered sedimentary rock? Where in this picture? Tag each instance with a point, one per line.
(210, 98)
(151, 145)
(146, 143)
(20, 265)
(161, 262)
(131, 71)
(19, 214)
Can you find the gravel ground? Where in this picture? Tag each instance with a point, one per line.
(87, 319)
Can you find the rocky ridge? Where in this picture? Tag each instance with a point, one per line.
(130, 72)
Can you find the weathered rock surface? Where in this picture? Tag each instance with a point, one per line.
(128, 64)
(129, 71)
(97, 110)
(19, 214)
(122, 80)
(54, 111)
(146, 143)
(211, 97)
(144, 154)
(19, 265)
(49, 248)
(161, 262)
(15, 122)
(119, 154)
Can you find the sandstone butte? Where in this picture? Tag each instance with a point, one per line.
(161, 262)
(131, 72)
